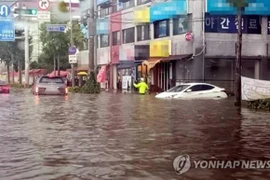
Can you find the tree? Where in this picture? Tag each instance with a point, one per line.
(11, 55)
(56, 44)
(63, 7)
(240, 7)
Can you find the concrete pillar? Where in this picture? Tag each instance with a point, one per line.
(151, 31)
(264, 74)
(257, 70)
(114, 77)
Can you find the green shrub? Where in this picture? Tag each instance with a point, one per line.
(90, 87)
(263, 104)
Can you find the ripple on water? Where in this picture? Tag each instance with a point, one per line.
(125, 136)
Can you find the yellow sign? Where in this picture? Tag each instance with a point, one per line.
(142, 15)
(160, 48)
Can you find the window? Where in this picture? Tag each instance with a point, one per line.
(206, 87)
(116, 38)
(104, 12)
(180, 25)
(128, 35)
(143, 32)
(104, 40)
(196, 88)
(161, 28)
(51, 80)
(201, 87)
(139, 2)
(128, 4)
(178, 88)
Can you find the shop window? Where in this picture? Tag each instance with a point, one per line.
(143, 32)
(116, 38)
(104, 40)
(128, 35)
(161, 28)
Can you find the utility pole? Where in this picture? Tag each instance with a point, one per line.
(238, 62)
(71, 44)
(91, 34)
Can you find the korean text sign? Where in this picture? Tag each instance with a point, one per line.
(228, 24)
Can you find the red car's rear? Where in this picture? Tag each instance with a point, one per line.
(4, 87)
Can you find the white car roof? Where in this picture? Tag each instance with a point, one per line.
(192, 84)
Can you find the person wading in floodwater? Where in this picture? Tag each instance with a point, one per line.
(143, 87)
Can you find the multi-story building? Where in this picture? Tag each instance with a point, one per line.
(179, 40)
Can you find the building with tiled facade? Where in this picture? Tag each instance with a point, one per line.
(178, 41)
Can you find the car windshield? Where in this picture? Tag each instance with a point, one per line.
(178, 88)
(51, 80)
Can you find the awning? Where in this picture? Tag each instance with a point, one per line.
(151, 62)
(82, 74)
(176, 57)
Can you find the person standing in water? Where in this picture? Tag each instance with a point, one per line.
(143, 87)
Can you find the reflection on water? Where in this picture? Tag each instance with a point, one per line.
(125, 136)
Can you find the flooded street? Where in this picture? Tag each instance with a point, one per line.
(126, 136)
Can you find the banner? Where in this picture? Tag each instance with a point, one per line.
(160, 48)
(167, 10)
(142, 15)
(101, 77)
(102, 26)
(228, 24)
(254, 89)
(254, 7)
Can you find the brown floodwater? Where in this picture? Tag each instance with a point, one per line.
(126, 136)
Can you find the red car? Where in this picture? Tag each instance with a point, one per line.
(4, 87)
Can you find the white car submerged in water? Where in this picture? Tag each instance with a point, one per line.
(194, 91)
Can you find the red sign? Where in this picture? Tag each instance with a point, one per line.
(188, 36)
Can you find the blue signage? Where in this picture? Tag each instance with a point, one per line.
(228, 24)
(4, 10)
(72, 50)
(255, 7)
(7, 30)
(55, 28)
(101, 1)
(166, 10)
(102, 26)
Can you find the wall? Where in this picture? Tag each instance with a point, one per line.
(83, 57)
(103, 56)
(224, 44)
(126, 52)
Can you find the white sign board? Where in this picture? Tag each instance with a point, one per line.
(44, 16)
(72, 59)
(126, 82)
(254, 89)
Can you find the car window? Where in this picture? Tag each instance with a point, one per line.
(196, 88)
(207, 87)
(178, 88)
(51, 80)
